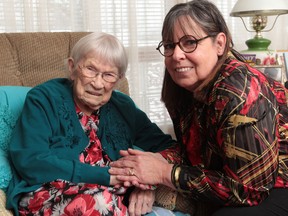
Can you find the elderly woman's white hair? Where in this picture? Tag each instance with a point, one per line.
(103, 45)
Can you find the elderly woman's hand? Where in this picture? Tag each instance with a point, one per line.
(115, 182)
(141, 202)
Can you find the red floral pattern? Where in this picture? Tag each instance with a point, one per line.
(66, 198)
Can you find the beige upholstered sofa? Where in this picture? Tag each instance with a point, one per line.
(28, 59)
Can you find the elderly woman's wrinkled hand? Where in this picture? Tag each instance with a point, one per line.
(141, 202)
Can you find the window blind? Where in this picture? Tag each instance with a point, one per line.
(137, 23)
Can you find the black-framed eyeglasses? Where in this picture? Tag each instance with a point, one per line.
(187, 44)
(91, 72)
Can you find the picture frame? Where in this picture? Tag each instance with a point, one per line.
(285, 62)
(269, 62)
(273, 71)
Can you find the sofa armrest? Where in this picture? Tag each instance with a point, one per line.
(3, 210)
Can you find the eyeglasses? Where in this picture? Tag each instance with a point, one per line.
(187, 44)
(91, 72)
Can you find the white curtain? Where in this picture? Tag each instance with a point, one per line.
(137, 23)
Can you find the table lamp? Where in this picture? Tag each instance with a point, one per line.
(259, 10)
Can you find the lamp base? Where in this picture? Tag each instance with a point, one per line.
(258, 44)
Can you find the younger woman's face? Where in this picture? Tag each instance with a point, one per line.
(190, 70)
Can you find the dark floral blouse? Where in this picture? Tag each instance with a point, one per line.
(236, 139)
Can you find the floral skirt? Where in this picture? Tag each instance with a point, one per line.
(62, 198)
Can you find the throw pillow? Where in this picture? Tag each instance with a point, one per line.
(11, 102)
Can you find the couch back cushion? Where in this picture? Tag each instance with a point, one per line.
(31, 58)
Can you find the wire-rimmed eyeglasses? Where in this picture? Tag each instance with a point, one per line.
(91, 72)
(187, 44)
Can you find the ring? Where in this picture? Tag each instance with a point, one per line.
(131, 172)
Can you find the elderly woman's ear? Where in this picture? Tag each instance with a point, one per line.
(70, 64)
(71, 67)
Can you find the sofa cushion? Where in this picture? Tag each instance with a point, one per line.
(11, 102)
(31, 58)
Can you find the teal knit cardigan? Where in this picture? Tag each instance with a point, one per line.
(48, 138)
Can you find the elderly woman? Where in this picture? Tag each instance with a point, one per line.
(71, 129)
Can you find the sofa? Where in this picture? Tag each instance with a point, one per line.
(26, 60)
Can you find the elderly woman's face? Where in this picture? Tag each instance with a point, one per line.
(90, 93)
(190, 70)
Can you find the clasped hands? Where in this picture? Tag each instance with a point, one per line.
(142, 170)
(138, 168)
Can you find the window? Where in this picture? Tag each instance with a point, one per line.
(137, 23)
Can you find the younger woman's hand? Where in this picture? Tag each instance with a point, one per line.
(141, 168)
